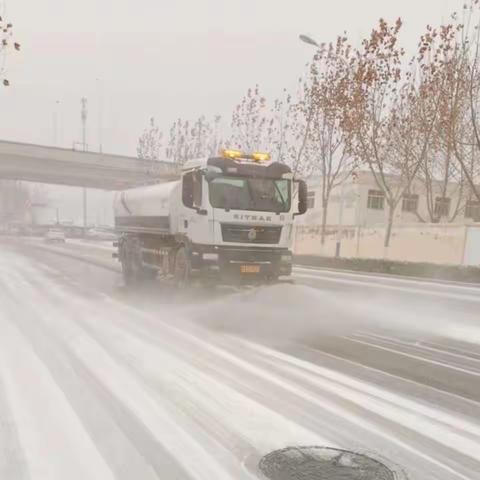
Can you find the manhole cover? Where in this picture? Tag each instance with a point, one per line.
(323, 463)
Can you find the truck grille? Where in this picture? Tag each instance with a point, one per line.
(250, 234)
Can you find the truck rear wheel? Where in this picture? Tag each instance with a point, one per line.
(182, 270)
(127, 272)
(133, 270)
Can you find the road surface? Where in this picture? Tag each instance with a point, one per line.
(97, 382)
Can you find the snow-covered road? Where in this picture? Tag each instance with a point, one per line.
(98, 383)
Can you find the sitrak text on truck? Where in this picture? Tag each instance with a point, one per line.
(228, 218)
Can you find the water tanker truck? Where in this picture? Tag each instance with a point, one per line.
(228, 218)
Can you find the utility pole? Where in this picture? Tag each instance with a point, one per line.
(338, 245)
(100, 114)
(55, 123)
(84, 114)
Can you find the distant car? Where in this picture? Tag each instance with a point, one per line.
(55, 236)
(14, 231)
(101, 235)
(26, 231)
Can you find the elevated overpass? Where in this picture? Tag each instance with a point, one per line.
(38, 163)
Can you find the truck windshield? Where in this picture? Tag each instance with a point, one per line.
(259, 194)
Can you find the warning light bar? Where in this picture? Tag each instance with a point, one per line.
(256, 156)
(261, 157)
(227, 153)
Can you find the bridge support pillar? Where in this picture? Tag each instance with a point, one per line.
(84, 211)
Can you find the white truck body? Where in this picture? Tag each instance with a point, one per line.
(148, 208)
(230, 216)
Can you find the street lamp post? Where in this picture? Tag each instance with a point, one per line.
(100, 114)
(310, 41)
(338, 245)
(55, 123)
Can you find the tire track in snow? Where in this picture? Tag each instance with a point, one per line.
(124, 444)
(265, 420)
(53, 449)
(421, 356)
(220, 358)
(445, 467)
(465, 408)
(139, 351)
(13, 463)
(459, 360)
(450, 441)
(136, 409)
(317, 394)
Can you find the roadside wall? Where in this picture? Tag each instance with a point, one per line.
(427, 243)
(472, 246)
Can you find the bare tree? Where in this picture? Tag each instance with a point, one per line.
(206, 136)
(442, 179)
(195, 139)
(449, 56)
(181, 142)
(215, 140)
(150, 143)
(464, 127)
(281, 119)
(301, 115)
(289, 123)
(323, 105)
(200, 135)
(250, 127)
(442, 82)
(276, 128)
(176, 142)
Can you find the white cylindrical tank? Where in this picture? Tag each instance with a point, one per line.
(151, 208)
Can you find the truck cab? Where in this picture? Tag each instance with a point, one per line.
(238, 215)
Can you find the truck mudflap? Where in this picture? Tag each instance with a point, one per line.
(243, 265)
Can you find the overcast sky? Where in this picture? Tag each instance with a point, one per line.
(143, 58)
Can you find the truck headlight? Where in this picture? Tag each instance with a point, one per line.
(286, 259)
(210, 257)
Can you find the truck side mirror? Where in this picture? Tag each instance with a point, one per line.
(187, 190)
(192, 192)
(302, 197)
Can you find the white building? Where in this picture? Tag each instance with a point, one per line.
(359, 202)
(357, 218)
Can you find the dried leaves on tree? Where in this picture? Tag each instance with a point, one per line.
(7, 44)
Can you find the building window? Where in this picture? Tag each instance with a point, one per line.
(310, 199)
(442, 206)
(410, 202)
(472, 210)
(376, 199)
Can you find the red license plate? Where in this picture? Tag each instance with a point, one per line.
(249, 268)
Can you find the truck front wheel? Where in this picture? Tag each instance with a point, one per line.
(182, 271)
